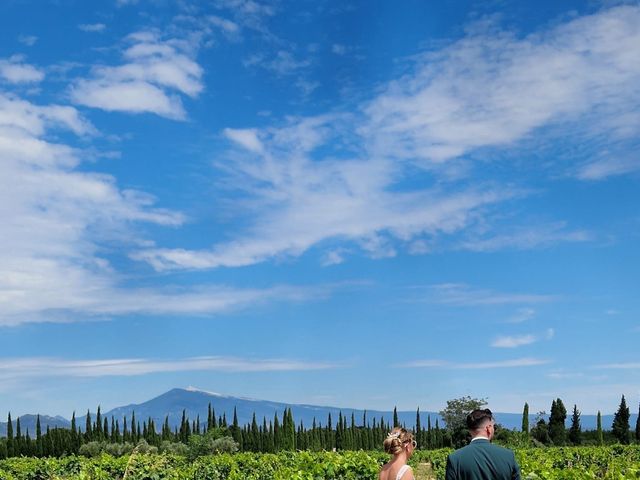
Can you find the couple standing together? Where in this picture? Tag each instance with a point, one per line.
(480, 460)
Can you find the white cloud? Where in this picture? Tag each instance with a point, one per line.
(224, 24)
(465, 295)
(11, 368)
(608, 167)
(247, 138)
(522, 315)
(342, 177)
(515, 363)
(300, 202)
(155, 68)
(526, 238)
(128, 96)
(514, 341)
(14, 70)
(57, 218)
(92, 27)
(28, 40)
(492, 88)
(619, 366)
(338, 49)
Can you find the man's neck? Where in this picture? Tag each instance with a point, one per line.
(479, 437)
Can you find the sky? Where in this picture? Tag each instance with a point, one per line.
(360, 204)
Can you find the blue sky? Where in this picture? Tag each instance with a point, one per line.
(359, 204)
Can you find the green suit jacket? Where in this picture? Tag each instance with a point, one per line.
(482, 460)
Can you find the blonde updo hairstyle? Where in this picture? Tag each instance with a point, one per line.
(396, 440)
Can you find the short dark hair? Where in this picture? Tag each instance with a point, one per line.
(477, 417)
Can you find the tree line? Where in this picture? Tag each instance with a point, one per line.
(281, 433)
(554, 432)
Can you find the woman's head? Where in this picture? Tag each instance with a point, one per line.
(398, 440)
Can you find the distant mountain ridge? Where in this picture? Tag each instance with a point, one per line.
(195, 403)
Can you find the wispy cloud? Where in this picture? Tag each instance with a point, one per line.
(619, 366)
(522, 315)
(14, 70)
(526, 238)
(337, 176)
(300, 202)
(515, 341)
(608, 167)
(465, 295)
(492, 88)
(515, 363)
(56, 216)
(28, 40)
(92, 27)
(154, 68)
(11, 368)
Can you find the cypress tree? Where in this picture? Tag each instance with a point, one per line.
(429, 433)
(277, 442)
(38, 437)
(87, 427)
(418, 429)
(638, 426)
(620, 427)
(236, 433)
(18, 440)
(125, 431)
(184, 425)
(396, 423)
(113, 438)
(134, 428)
(255, 435)
(525, 418)
(557, 430)
(75, 437)
(98, 434)
(10, 441)
(576, 430)
(599, 435)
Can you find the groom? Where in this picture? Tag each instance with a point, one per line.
(481, 460)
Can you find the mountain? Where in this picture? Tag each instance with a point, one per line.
(195, 403)
(28, 424)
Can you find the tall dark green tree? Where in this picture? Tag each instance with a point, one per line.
(638, 426)
(418, 429)
(620, 427)
(525, 418)
(396, 422)
(87, 427)
(599, 435)
(575, 431)
(10, 439)
(39, 451)
(557, 417)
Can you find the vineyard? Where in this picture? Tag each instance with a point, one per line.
(561, 463)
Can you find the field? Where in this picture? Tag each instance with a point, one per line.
(563, 463)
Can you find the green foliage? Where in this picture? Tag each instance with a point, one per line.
(213, 441)
(455, 415)
(620, 427)
(525, 418)
(557, 430)
(575, 430)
